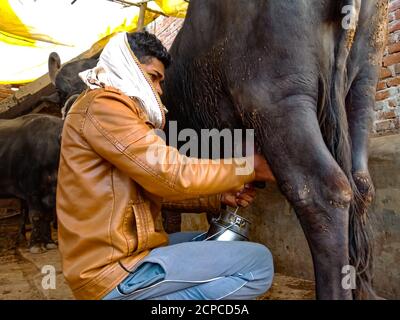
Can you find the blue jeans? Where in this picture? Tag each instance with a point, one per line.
(199, 270)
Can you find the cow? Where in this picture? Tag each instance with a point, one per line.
(303, 75)
(29, 157)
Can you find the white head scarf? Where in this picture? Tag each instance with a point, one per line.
(118, 67)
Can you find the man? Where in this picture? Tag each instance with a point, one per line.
(110, 192)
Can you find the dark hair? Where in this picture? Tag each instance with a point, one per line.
(146, 45)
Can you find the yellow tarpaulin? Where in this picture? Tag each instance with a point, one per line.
(31, 29)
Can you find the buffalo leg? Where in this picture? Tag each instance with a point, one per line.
(315, 185)
(45, 231)
(55, 221)
(22, 224)
(366, 54)
(359, 104)
(35, 242)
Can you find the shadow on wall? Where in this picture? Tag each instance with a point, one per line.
(275, 223)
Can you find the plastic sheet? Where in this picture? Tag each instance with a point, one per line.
(31, 29)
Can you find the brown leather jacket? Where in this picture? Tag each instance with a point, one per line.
(109, 196)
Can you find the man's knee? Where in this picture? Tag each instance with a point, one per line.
(264, 266)
(261, 257)
(260, 272)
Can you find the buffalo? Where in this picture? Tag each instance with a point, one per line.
(29, 157)
(303, 74)
(66, 81)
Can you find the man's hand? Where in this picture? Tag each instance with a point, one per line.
(262, 170)
(241, 198)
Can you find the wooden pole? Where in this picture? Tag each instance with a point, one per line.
(129, 3)
(142, 14)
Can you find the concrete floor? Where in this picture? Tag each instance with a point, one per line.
(21, 279)
(21, 276)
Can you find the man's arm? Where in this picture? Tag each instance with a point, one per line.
(211, 204)
(117, 131)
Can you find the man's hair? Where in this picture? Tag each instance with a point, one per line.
(146, 46)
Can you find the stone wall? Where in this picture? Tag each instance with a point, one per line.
(166, 29)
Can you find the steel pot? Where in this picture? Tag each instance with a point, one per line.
(229, 226)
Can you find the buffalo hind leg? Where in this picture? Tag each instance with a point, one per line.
(314, 184)
(35, 241)
(359, 103)
(45, 231)
(21, 239)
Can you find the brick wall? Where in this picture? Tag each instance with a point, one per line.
(387, 115)
(387, 108)
(166, 29)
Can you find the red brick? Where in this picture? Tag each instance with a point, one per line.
(395, 26)
(385, 73)
(167, 29)
(385, 125)
(394, 5)
(393, 82)
(387, 115)
(382, 95)
(394, 48)
(391, 59)
(389, 120)
(381, 85)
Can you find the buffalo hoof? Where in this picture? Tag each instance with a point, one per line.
(37, 249)
(51, 246)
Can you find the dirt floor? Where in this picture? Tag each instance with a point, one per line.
(21, 272)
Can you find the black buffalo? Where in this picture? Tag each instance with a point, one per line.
(303, 75)
(66, 80)
(29, 157)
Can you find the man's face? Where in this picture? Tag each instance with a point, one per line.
(155, 69)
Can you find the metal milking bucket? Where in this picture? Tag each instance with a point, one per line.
(229, 226)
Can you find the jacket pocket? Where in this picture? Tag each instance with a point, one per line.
(129, 228)
(147, 236)
(143, 225)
